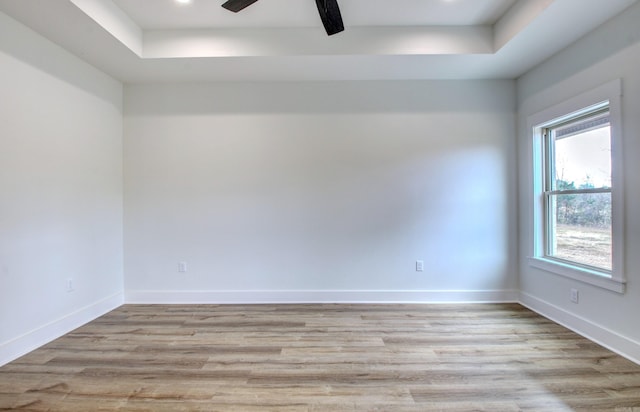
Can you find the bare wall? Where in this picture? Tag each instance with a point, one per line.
(61, 191)
(320, 191)
(610, 52)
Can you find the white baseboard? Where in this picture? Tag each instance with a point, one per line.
(611, 340)
(24, 344)
(17, 347)
(318, 296)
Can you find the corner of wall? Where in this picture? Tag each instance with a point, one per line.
(21, 345)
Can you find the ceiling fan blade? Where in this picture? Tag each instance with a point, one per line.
(237, 5)
(330, 15)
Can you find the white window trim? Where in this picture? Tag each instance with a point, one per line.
(614, 280)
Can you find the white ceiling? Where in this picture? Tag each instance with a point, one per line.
(200, 14)
(283, 40)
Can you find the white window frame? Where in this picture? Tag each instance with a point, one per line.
(608, 95)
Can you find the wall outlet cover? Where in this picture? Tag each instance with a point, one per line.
(575, 295)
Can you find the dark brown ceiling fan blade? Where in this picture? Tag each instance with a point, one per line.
(237, 5)
(328, 9)
(330, 16)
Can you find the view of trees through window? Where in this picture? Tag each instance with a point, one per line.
(583, 229)
(581, 194)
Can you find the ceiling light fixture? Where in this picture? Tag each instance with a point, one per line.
(184, 1)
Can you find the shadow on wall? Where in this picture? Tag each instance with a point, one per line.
(23, 44)
(426, 96)
(614, 36)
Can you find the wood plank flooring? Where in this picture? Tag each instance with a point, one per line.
(492, 357)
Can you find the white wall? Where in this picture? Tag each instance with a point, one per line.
(610, 52)
(60, 191)
(320, 191)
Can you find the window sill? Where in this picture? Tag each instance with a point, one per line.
(584, 275)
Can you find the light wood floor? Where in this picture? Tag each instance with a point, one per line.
(321, 358)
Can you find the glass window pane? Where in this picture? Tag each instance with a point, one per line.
(583, 160)
(581, 229)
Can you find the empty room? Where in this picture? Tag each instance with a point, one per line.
(339, 205)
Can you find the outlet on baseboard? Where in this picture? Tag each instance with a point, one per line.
(574, 295)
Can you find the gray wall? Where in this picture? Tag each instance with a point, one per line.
(320, 191)
(610, 52)
(60, 188)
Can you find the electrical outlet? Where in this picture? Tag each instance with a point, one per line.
(419, 266)
(574, 295)
(70, 285)
(182, 267)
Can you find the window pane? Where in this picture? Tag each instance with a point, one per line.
(583, 159)
(580, 229)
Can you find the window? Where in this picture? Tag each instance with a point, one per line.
(577, 192)
(577, 189)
